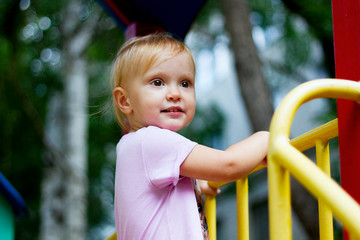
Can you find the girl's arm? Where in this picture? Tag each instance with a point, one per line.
(229, 165)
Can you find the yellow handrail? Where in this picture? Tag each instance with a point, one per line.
(303, 142)
(242, 202)
(283, 159)
(112, 237)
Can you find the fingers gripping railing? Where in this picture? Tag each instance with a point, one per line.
(285, 157)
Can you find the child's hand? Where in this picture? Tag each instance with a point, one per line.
(264, 162)
(206, 189)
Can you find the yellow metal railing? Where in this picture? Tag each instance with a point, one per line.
(112, 237)
(285, 158)
(319, 138)
(242, 202)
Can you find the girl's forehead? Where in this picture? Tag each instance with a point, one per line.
(168, 54)
(167, 63)
(148, 58)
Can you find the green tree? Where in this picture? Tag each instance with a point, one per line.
(32, 44)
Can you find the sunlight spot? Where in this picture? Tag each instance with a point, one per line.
(24, 4)
(46, 55)
(44, 23)
(36, 65)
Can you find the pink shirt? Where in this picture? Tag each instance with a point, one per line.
(151, 200)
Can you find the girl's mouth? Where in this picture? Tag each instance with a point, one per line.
(172, 109)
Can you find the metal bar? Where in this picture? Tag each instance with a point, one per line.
(242, 201)
(325, 214)
(279, 201)
(346, 209)
(112, 237)
(210, 213)
(324, 132)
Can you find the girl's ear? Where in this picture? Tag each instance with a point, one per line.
(122, 100)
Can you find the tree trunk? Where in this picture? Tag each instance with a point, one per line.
(247, 63)
(306, 208)
(65, 184)
(257, 97)
(53, 184)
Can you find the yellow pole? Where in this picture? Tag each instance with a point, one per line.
(112, 237)
(325, 213)
(210, 214)
(353, 236)
(242, 200)
(279, 201)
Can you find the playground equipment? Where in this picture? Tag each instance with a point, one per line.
(11, 205)
(346, 22)
(285, 158)
(141, 17)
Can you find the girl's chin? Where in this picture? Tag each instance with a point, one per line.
(174, 129)
(171, 127)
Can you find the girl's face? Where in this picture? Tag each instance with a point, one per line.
(165, 95)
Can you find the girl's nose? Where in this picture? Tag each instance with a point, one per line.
(173, 93)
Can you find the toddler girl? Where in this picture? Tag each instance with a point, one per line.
(153, 81)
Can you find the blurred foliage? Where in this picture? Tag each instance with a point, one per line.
(22, 112)
(30, 69)
(210, 7)
(289, 32)
(206, 126)
(295, 25)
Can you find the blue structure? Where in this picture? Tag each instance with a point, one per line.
(11, 205)
(141, 17)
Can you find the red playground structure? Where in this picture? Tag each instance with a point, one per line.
(346, 24)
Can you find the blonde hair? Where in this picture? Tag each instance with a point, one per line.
(136, 57)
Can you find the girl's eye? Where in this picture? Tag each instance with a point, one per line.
(157, 83)
(185, 84)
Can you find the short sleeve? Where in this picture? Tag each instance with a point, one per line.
(163, 152)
